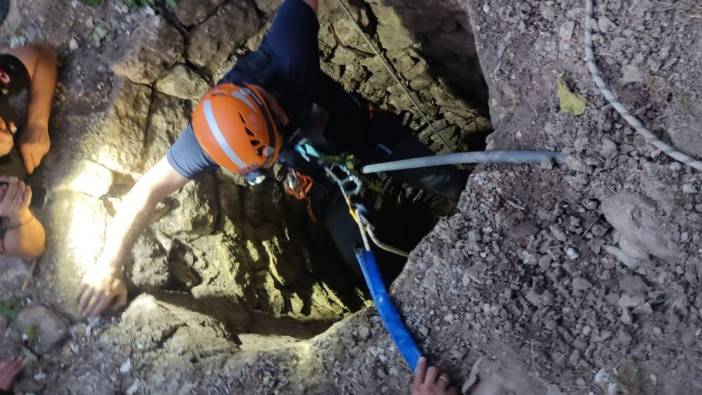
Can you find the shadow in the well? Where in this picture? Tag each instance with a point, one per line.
(448, 46)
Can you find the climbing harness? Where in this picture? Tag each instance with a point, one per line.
(515, 157)
(614, 102)
(339, 169)
(298, 186)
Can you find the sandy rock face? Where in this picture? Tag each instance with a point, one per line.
(168, 116)
(211, 42)
(75, 228)
(195, 210)
(183, 83)
(146, 55)
(117, 135)
(194, 12)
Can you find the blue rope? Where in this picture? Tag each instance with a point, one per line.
(386, 308)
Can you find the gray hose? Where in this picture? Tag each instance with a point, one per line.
(515, 157)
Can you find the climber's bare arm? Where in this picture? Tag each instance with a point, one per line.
(40, 62)
(103, 286)
(313, 4)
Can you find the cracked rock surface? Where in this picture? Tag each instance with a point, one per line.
(559, 280)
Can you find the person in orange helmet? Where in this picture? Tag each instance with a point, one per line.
(271, 100)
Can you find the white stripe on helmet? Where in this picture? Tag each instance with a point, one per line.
(217, 132)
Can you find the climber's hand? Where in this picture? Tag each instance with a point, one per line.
(102, 288)
(34, 143)
(430, 381)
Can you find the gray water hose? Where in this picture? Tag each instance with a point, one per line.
(514, 157)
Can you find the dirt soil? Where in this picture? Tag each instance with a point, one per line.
(552, 280)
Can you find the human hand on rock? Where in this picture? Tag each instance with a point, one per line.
(15, 197)
(430, 381)
(102, 288)
(33, 143)
(9, 369)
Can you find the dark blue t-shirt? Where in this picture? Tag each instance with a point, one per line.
(286, 65)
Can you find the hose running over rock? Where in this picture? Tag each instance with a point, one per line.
(514, 157)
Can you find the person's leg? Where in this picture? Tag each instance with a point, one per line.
(342, 228)
(391, 140)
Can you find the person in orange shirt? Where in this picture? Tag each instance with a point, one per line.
(27, 85)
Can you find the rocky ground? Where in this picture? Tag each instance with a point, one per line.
(545, 280)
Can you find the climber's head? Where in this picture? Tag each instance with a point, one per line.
(235, 126)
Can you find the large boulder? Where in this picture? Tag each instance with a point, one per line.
(115, 139)
(182, 82)
(391, 31)
(195, 212)
(148, 53)
(193, 12)
(148, 269)
(75, 229)
(214, 41)
(43, 327)
(83, 176)
(168, 117)
(635, 217)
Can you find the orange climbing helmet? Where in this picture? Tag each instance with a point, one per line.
(235, 126)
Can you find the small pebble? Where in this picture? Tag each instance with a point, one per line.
(551, 324)
(126, 366)
(73, 44)
(363, 332)
(133, 388)
(605, 24)
(689, 188)
(572, 253)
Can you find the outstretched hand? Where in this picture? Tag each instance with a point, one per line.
(9, 369)
(33, 144)
(102, 288)
(430, 381)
